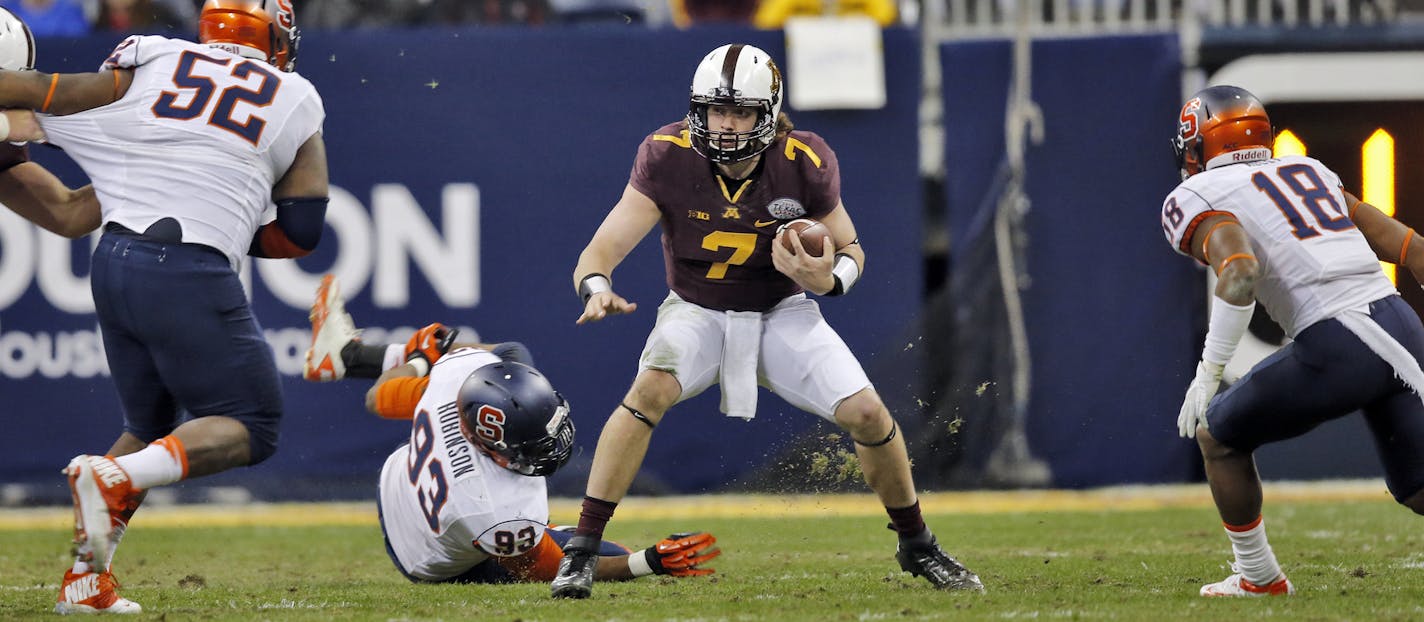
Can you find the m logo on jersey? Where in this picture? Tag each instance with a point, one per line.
(489, 424)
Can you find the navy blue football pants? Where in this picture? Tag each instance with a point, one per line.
(180, 336)
(1327, 373)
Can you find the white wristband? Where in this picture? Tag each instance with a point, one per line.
(638, 564)
(594, 284)
(1228, 323)
(421, 367)
(846, 272)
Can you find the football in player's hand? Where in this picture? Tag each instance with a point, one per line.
(812, 233)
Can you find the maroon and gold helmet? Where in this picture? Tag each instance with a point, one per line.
(1221, 125)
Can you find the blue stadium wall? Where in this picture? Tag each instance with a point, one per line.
(1114, 317)
(512, 145)
(525, 135)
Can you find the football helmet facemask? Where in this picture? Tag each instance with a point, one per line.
(734, 75)
(17, 43)
(510, 412)
(1221, 125)
(260, 29)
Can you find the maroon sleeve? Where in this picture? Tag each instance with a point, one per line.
(821, 169)
(642, 177)
(11, 155)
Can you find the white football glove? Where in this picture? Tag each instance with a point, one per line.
(1199, 394)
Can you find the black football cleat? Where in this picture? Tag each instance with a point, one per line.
(575, 577)
(936, 566)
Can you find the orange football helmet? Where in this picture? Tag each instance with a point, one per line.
(263, 29)
(1221, 125)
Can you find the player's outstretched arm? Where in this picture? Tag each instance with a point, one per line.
(41, 198)
(627, 223)
(1391, 240)
(62, 94)
(678, 555)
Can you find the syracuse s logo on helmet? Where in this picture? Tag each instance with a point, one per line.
(489, 425)
(1187, 124)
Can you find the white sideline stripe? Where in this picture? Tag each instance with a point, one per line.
(566, 510)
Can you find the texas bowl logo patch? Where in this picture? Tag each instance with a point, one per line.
(786, 209)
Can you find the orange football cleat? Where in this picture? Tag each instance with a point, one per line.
(332, 329)
(92, 592)
(103, 499)
(1237, 585)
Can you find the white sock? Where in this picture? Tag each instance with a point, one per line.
(1254, 559)
(154, 465)
(81, 567)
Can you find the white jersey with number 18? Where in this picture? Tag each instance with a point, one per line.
(201, 136)
(1314, 262)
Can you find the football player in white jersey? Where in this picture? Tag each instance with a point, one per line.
(465, 500)
(187, 145)
(1282, 231)
(25, 187)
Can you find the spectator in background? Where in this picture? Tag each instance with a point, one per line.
(689, 12)
(136, 16)
(50, 18)
(331, 14)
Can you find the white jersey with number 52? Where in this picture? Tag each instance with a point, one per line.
(1314, 262)
(201, 135)
(445, 505)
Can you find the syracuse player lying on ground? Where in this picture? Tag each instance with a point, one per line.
(465, 500)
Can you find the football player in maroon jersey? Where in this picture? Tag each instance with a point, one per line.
(720, 181)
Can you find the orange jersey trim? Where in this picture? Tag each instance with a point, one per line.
(397, 398)
(538, 564)
(1240, 528)
(1186, 244)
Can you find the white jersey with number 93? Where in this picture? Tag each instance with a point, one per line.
(445, 505)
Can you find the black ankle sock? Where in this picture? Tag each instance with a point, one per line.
(363, 361)
(909, 523)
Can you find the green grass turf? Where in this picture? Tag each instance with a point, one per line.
(1359, 561)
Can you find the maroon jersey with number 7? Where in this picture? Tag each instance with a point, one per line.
(718, 232)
